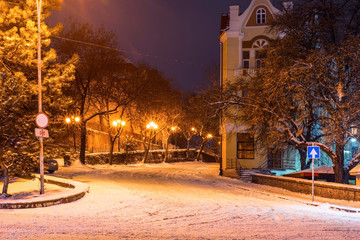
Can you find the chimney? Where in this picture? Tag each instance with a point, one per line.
(234, 12)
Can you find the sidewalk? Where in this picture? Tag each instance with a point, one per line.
(334, 204)
(26, 193)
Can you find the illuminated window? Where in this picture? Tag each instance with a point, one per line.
(245, 146)
(260, 16)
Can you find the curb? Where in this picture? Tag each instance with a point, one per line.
(298, 200)
(78, 190)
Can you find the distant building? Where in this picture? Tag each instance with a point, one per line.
(242, 35)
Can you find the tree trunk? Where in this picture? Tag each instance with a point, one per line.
(146, 154)
(339, 173)
(118, 144)
(303, 157)
(200, 151)
(146, 151)
(74, 138)
(166, 150)
(112, 143)
(338, 165)
(83, 142)
(187, 148)
(6, 179)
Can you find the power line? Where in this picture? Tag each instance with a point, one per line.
(128, 52)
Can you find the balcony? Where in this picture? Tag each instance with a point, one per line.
(245, 72)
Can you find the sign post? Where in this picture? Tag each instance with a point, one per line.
(313, 153)
(42, 122)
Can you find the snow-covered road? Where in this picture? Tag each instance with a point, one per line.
(175, 201)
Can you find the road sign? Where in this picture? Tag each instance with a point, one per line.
(313, 152)
(41, 120)
(40, 132)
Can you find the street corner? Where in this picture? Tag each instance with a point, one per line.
(25, 193)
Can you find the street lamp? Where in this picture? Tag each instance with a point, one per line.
(72, 121)
(120, 125)
(353, 129)
(152, 125)
(173, 130)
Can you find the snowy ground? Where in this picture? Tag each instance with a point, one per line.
(177, 201)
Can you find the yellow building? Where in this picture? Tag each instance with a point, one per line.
(242, 36)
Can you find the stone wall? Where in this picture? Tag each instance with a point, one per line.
(155, 156)
(322, 189)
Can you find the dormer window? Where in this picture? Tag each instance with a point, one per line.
(260, 16)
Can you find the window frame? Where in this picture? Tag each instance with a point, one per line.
(245, 146)
(246, 61)
(261, 16)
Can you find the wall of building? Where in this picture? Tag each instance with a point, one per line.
(241, 33)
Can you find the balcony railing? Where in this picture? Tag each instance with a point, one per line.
(244, 72)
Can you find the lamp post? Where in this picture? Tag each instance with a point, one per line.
(119, 124)
(354, 140)
(41, 157)
(174, 130)
(188, 135)
(353, 129)
(72, 121)
(152, 127)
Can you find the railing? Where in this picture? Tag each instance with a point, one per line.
(243, 72)
(289, 164)
(283, 163)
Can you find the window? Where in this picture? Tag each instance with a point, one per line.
(274, 159)
(260, 16)
(246, 59)
(257, 59)
(261, 43)
(245, 146)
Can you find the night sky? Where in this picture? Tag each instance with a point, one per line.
(175, 31)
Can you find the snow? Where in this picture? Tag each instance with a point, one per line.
(27, 189)
(178, 201)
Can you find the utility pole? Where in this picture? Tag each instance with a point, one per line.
(38, 2)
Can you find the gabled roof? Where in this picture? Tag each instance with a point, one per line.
(355, 170)
(324, 170)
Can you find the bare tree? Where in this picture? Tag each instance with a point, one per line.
(96, 48)
(306, 92)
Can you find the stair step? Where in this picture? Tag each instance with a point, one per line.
(245, 174)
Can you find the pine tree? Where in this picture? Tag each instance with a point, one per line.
(19, 84)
